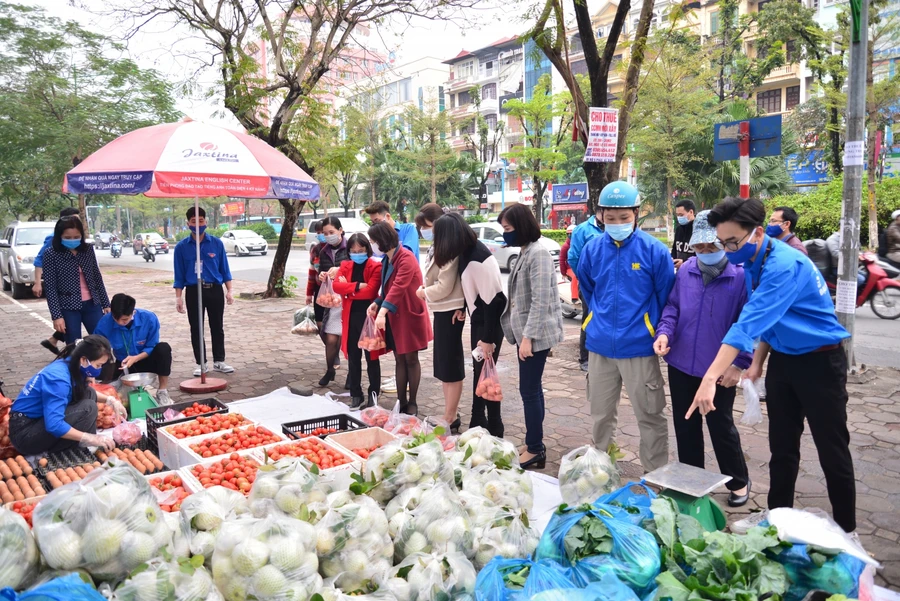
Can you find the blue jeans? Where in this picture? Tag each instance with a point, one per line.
(531, 388)
(89, 315)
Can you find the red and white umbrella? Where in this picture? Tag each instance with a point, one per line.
(190, 159)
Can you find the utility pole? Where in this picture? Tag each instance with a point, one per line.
(845, 302)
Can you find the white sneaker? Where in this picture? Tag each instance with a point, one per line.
(751, 521)
(197, 370)
(223, 367)
(389, 385)
(163, 398)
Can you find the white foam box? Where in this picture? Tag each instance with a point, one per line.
(355, 460)
(186, 457)
(169, 445)
(358, 439)
(190, 485)
(188, 476)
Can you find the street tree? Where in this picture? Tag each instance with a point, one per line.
(539, 158)
(424, 133)
(302, 41)
(674, 105)
(65, 91)
(549, 34)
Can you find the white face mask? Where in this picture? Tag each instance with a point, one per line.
(333, 239)
(427, 233)
(376, 251)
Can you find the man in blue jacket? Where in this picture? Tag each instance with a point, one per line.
(791, 314)
(133, 335)
(625, 276)
(380, 211)
(584, 233)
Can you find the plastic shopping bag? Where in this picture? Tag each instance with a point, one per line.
(594, 542)
(184, 580)
(811, 569)
(753, 412)
(631, 502)
(430, 576)
(128, 434)
(327, 296)
(20, 561)
(488, 386)
(608, 588)
(585, 474)
(66, 588)
(6, 448)
(519, 579)
(371, 338)
(305, 322)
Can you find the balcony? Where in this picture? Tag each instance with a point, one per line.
(461, 111)
(489, 106)
(784, 73)
(460, 83)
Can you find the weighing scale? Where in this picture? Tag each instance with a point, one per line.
(139, 400)
(689, 487)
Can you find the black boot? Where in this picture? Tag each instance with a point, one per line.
(371, 399)
(356, 402)
(327, 378)
(409, 409)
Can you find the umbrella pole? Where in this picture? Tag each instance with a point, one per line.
(199, 268)
(201, 385)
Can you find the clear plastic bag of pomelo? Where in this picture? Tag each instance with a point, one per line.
(488, 386)
(203, 513)
(291, 486)
(109, 523)
(20, 561)
(585, 474)
(266, 559)
(158, 580)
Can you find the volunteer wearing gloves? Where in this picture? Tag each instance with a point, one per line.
(134, 337)
(532, 321)
(791, 314)
(707, 299)
(57, 410)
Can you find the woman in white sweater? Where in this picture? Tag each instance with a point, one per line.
(444, 294)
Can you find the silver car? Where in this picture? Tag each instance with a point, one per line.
(491, 234)
(350, 225)
(19, 245)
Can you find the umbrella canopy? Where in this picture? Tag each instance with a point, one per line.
(190, 159)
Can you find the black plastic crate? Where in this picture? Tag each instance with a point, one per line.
(155, 419)
(340, 422)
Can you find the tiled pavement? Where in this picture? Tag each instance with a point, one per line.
(266, 356)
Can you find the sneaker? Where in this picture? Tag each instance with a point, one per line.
(223, 367)
(389, 385)
(751, 521)
(197, 370)
(163, 398)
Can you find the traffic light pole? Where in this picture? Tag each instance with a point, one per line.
(845, 301)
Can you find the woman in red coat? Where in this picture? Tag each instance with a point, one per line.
(400, 313)
(357, 280)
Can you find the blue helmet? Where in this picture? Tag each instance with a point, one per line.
(619, 195)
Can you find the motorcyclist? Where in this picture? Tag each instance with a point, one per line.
(833, 243)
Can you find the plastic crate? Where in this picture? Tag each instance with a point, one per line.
(360, 439)
(340, 422)
(155, 419)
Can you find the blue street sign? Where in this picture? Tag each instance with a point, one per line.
(809, 169)
(569, 193)
(765, 139)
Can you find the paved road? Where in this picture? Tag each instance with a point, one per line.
(878, 340)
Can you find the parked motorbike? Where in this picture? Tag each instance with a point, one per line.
(115, 250)
(571, 307)
(149, 253)
(880, 291)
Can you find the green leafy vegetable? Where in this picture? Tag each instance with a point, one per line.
(587, 538)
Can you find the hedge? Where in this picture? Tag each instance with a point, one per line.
(820, 210)
(213, 231)
(262, 228)
(473, 219)
(557, 235)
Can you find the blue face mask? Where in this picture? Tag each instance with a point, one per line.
(359, 258)
(509, 238)
(71, 244)
(743, 254)
(198, 229)
(682, 220)
(427, 233)
(774, 230)
(90, 371)
(320, 237)
(711, 258)
(619, 231)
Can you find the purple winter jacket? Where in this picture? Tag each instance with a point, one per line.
(697, 317)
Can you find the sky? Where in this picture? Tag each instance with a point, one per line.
(421, 37)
